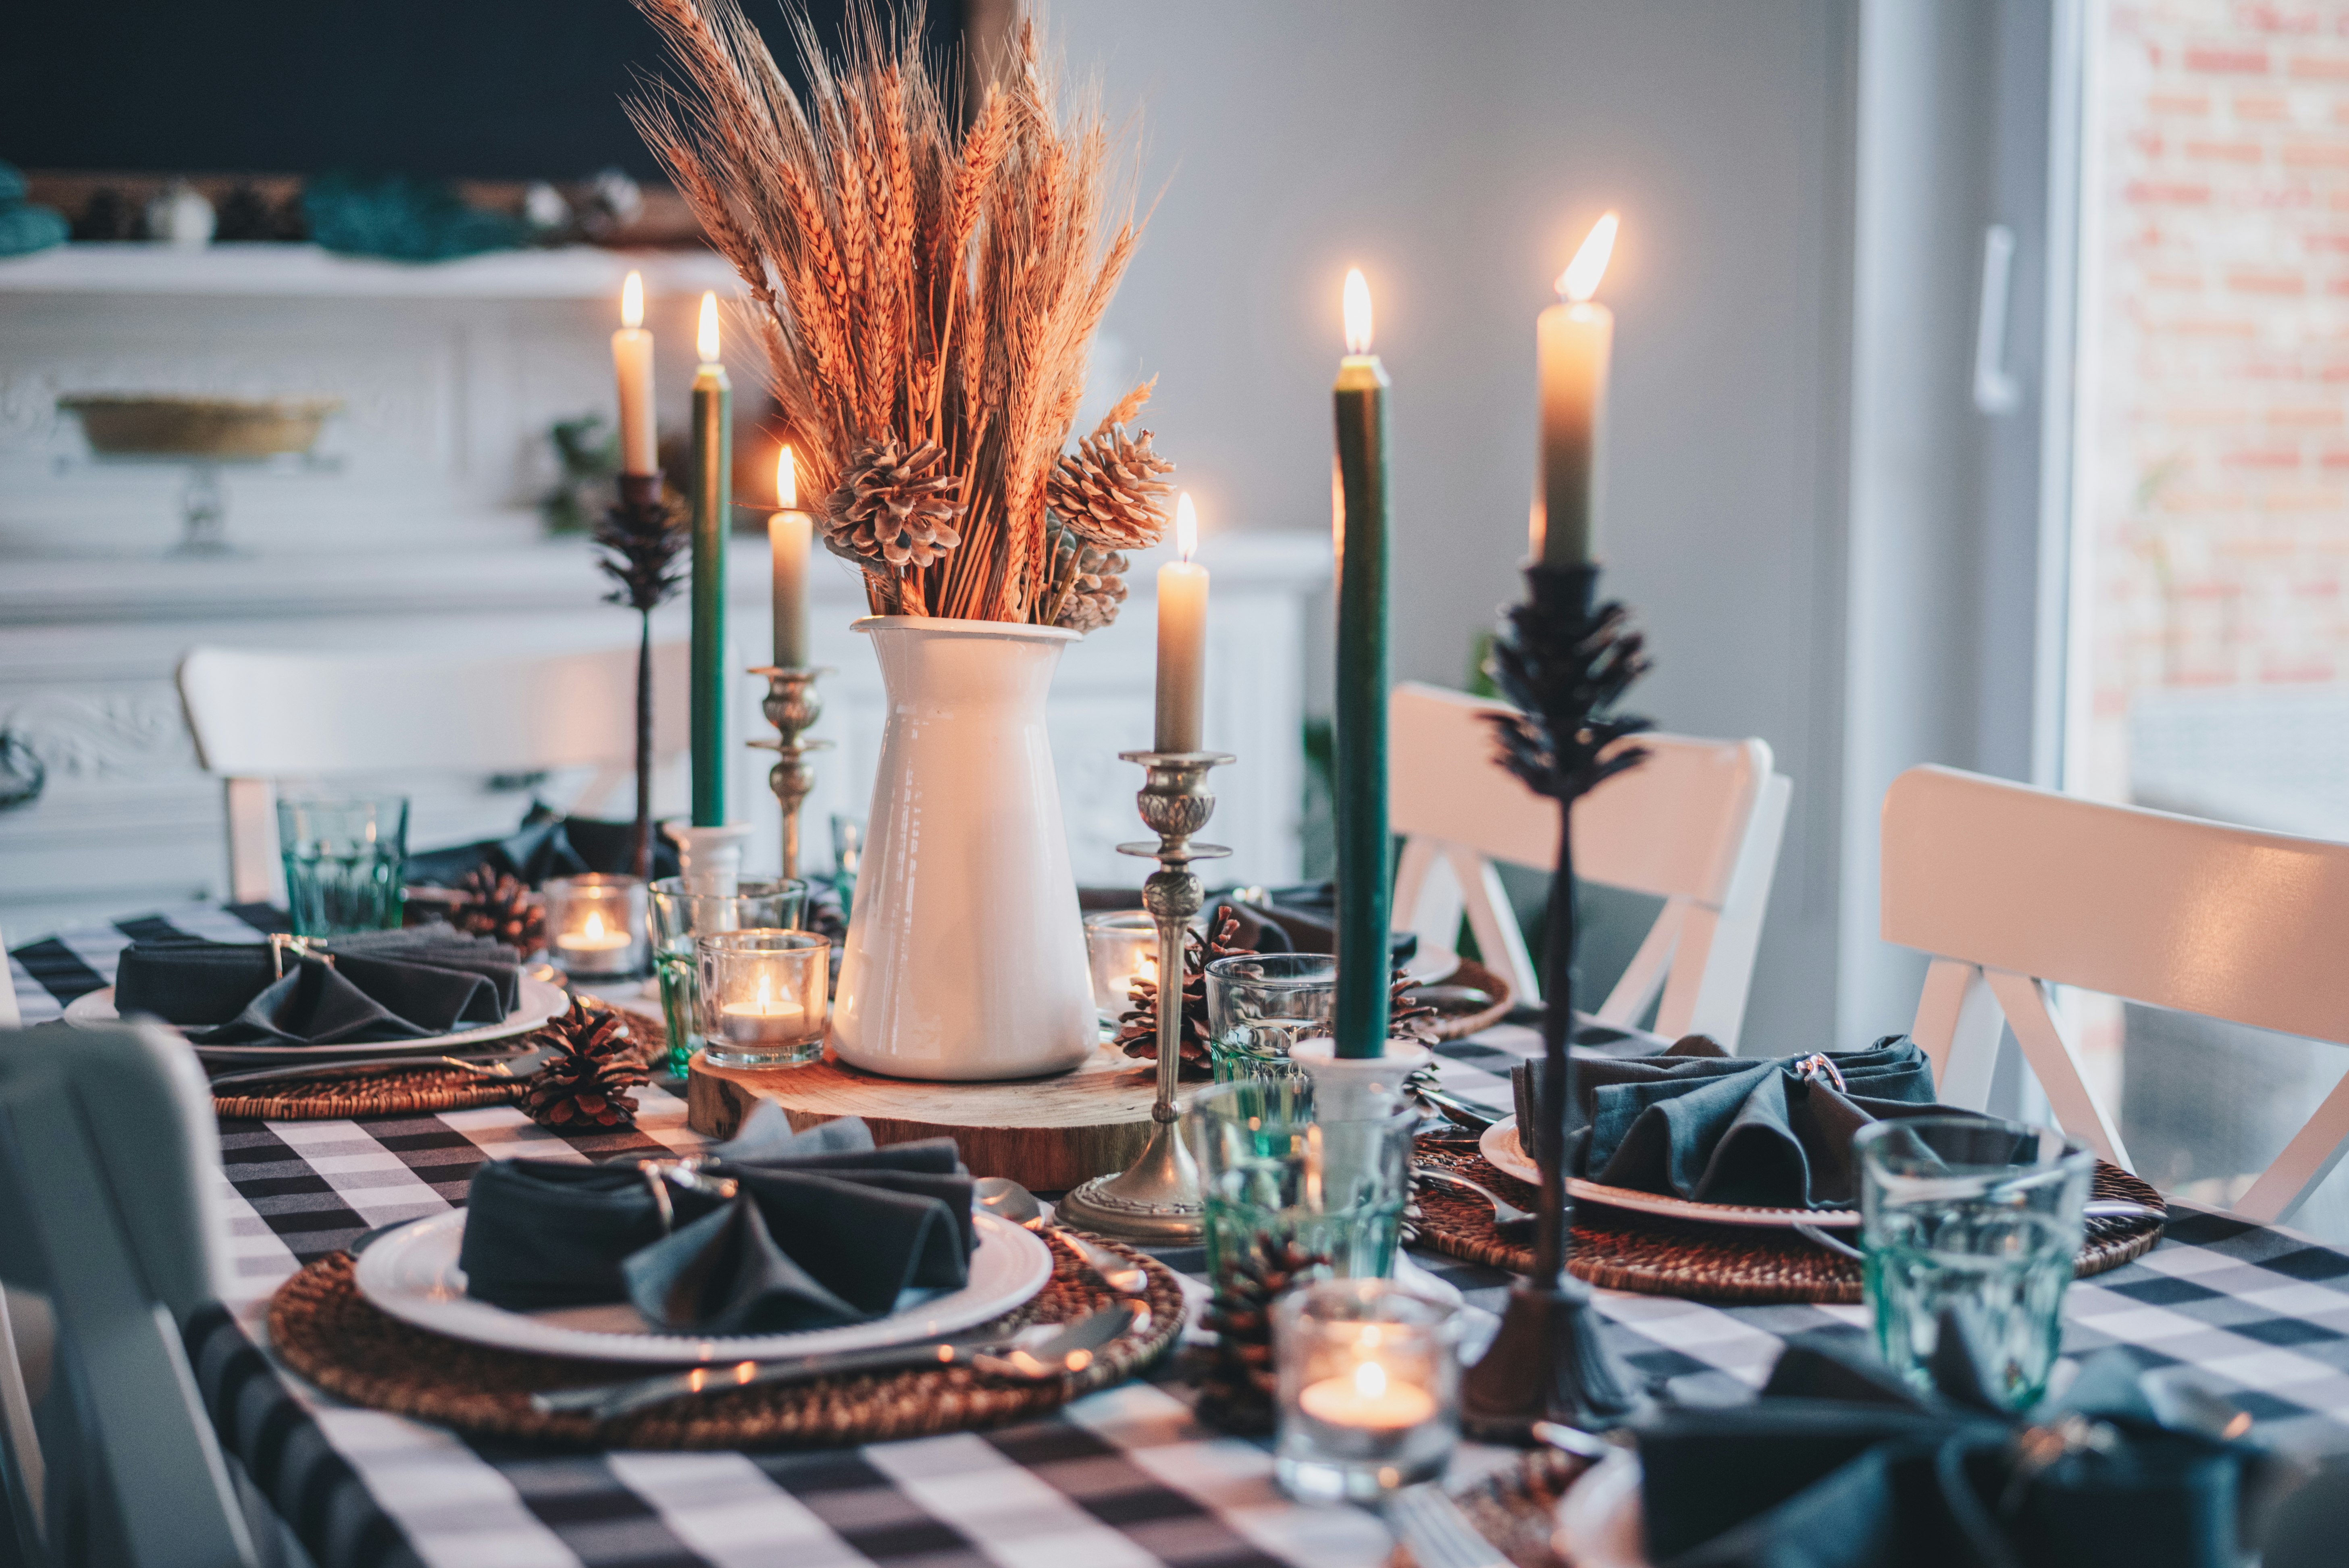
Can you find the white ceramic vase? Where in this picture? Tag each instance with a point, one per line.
(965, 956)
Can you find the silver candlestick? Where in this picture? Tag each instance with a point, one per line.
(791, 706)
(1156, 1201)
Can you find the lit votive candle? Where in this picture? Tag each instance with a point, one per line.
(1120, 947)
(595, 925)
(1370, 1389)
(761, 994)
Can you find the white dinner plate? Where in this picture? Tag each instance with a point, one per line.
(1501, 1149)
(412, 1274)
(1599, 1521)
(539, 1002)
(1431, 964)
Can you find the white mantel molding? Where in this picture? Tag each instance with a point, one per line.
(306, 272)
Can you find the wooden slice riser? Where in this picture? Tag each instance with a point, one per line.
(1047, 1134)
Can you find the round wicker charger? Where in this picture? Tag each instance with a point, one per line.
(1459, 1026)
(328, 1332)
(1623, 1250)
(394, 1092)
(1516, 1508)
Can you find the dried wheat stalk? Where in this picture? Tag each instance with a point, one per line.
(913, 277)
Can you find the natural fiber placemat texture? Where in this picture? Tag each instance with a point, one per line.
(394, 1092)
(1473, 973)
(1625, 1251)
(1516, 1508)
(328, 1332)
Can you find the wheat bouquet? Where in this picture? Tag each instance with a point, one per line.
(925, 279)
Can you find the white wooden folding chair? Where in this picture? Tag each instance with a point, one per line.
(2012, 890)
(259, 716)
(112, 1208)
(1698, 825)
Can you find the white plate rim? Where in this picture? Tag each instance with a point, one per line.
(538, 1001)
(1431, 965)
(1600, 1522)
(461, 1317)
(1501, 1149)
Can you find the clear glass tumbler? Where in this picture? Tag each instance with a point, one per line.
(1121, 947)
(678, 915)
(595, 926)
(1971, 1224)
(344, 864)
(1273, 1173)
(761, 996)
(1260, 1005)
(1368, 1390)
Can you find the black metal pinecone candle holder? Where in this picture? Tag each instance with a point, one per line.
(1563, 660)
(640, 539)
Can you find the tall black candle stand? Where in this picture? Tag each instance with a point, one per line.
(1564, 659)
(640, 539)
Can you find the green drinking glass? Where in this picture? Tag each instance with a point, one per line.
(679, 914)
(344, 860)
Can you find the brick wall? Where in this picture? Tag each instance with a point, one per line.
(2216, 296)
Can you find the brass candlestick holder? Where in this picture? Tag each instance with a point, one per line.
(1156, 1201)
(791, 706)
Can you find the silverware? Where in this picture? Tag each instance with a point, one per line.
(1572, 1440)
(1455, 1109)
(1001, 1195)
(1437, 1534)
(1033, 1356)
(354, 1066)
(1503, 1211)
(2095, 1209)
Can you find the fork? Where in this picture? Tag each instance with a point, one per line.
(1436, 1532)
(1503, 1211)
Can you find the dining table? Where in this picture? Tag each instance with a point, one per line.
(1123, 1477)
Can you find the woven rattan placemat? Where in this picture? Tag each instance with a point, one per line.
(394, 1092)
(1624, 1251)
(328, 1332)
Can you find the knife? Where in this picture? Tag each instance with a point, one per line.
(350, 1067)
(1029, 1356)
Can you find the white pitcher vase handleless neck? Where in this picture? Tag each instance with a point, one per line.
(965, 953)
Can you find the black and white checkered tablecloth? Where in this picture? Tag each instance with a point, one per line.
(1122, 1477)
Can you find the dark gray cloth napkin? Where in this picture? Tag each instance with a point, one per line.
(825, 1229)
(1840, 1464)
(1695, 1123)
(382, 986)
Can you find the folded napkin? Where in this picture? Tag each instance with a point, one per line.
(382, 986)
(823, 1229)
(1840, 1464)
(1696, 1123)
(545, 846)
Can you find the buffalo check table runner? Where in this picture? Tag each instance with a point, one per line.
(1122, 1478)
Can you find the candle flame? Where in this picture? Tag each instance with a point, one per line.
(1187, 526)
(708, 339)
(594, 926)
(1580, 278)
(766, 992)
(632, 301)
(1358, 312)
(1147, 970)
(1370, 1380)
(787, 479)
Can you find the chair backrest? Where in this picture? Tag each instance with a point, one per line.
(259, 715)
(111, 1207)
(2011, 889)
(1698, 824)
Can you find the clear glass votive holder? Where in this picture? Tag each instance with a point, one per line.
(1971, 1223)
(761, 996)
(1260, 1005)
(345, 862)
(1368, 1390)
(595, 926)
(679, 914)
(1274, 1173)
(1122, 946)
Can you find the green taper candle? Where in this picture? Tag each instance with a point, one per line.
(1364, 948)
(713, 483)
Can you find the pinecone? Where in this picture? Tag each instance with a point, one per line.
(1137, 1031)
(640, 548)
(1108, 490)
(585, 1083)
(895, 508)
(1235, 1391)
(1095, 584)
(499, 906)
